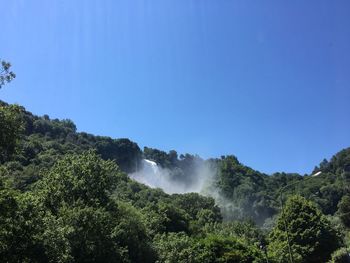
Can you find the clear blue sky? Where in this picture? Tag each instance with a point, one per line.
(267, 81)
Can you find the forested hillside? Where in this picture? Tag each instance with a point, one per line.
(65, 196)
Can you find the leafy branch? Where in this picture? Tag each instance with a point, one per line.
(6, 75)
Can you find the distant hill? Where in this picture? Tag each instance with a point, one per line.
(240, 191)
(65, 196)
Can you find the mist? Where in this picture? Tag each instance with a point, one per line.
(154, 176)
(203, 180)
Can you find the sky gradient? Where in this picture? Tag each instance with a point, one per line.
(267, 81)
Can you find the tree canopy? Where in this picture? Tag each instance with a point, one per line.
(310, 235)
(65, 196)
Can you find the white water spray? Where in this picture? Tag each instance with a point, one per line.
(155, 176)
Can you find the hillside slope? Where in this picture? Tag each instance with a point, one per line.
(66, 196)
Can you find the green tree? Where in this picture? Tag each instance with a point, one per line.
(193, 203)
(90, 234)
(175, 248)
(8, 226)
(6, 75)
(75, 196)
(221, 249)
(344, 210)
(20, 227)
(131, 233)
(174, 219)
(124, 152)
(84, 179)
(312, 239)
(11, 127)
(340, 256)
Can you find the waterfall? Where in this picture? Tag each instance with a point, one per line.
(153, 175)
(149, 174)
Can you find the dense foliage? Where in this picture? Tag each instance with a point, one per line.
(310, 235)
(65, 196)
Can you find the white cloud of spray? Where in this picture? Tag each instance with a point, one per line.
(202, 181)
(155, 176)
